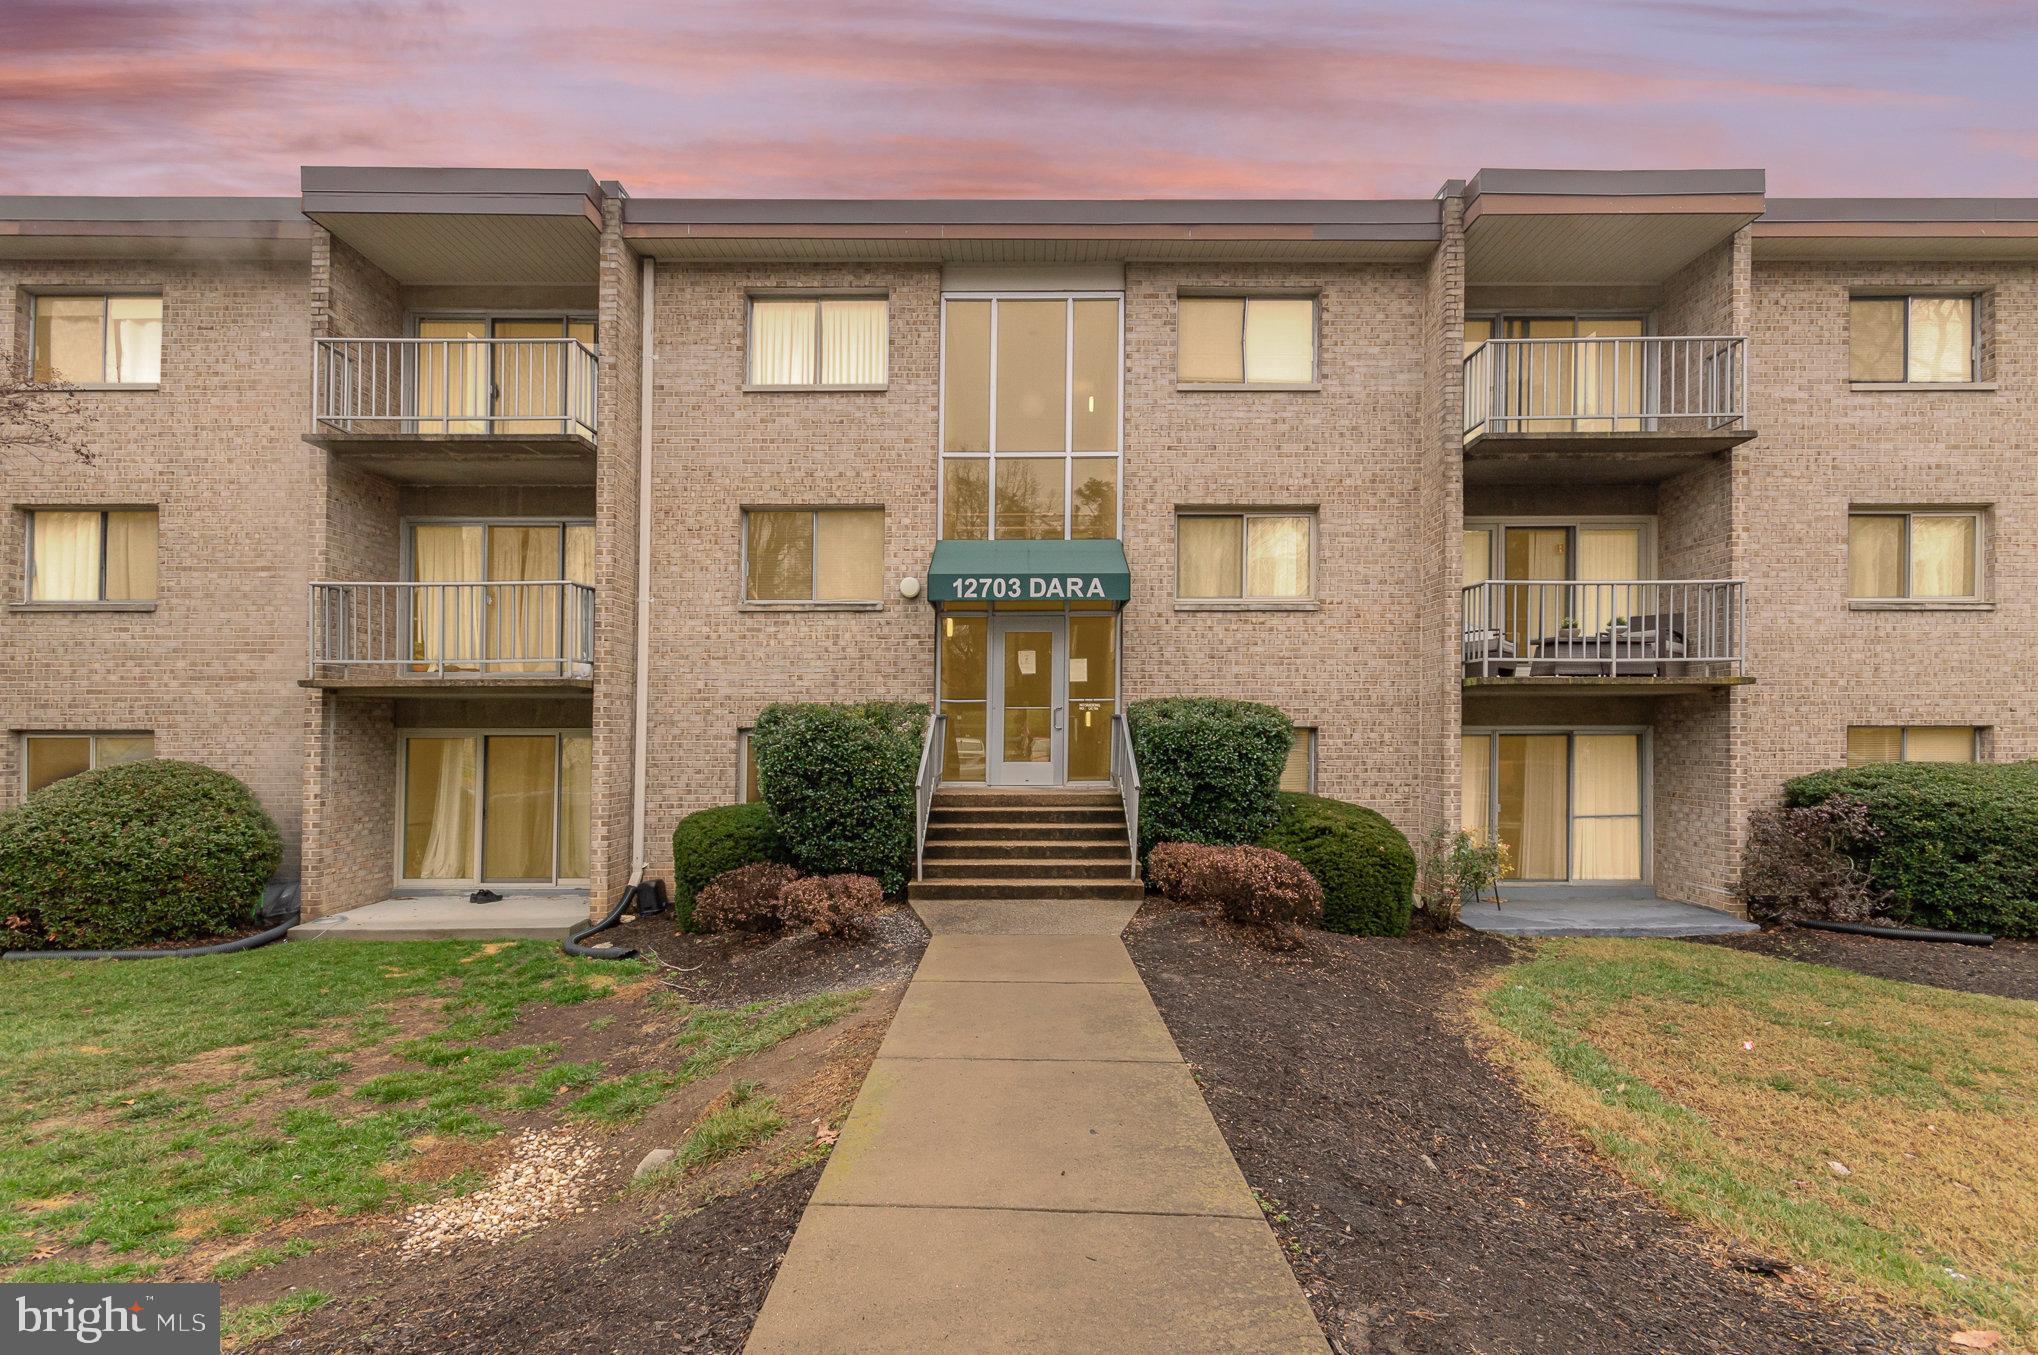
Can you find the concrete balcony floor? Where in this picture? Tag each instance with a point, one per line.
(1632, 910)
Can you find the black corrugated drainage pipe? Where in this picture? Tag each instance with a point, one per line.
(1899, 933)
(275, 901)
(642, 897)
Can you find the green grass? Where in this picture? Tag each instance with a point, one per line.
(744, 1119)
(112, 1136)
(1728, 1084)
(259, 1321)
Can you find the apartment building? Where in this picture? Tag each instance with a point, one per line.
(472, 516)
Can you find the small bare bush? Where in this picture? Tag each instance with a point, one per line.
(1266, 891)
(1172, 868)
(832, 905)
(746, 899)
(1800, 863)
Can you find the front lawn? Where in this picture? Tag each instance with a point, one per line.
(1877, 1132)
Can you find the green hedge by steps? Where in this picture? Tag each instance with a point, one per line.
(839, 780)
(1959, 845)
(1364, 864)
(1209, 769)
(128, 855)
(707, 843)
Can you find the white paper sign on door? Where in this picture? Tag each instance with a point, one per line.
(1026, 664)
(1079, 671)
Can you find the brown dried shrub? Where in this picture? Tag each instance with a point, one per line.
(746, 899)
(1254, 887)
(833, 905)
(1173, 867)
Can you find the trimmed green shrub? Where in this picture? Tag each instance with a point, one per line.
(713, 841)
(1364, 864)
(129, 855)
(1958, 845)
(1209, 769)
(839, 780)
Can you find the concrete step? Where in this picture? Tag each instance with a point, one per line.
(1035, 814)
(1100, 869)
(1022, 849)
(1022, 890)
(973, 796)
(949, 833)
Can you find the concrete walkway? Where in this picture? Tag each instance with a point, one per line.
(1030, 1166)
(541, 913)
(1533, 912)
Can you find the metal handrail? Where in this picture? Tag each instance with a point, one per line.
(454, 386)
(1605, 627)
(1648, 384)
(1125, 776)
(925, 782)
(521, 627)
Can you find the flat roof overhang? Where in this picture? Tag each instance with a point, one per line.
(1545, 228)
(1605, 686)
(464, 226)
(1029, 571)
(1637, 458)
(524, 460)
(39, 227)
(1063, 231)
(454, 684)
(1951, 229)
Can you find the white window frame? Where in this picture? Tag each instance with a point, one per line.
(1068, 455)
(558, 735)
(100, 602)
(1313, 296)
(1249, 601)
(809, 603)
(1973, 299)
(750, 300)
(91, 737)
(104, 297)
(1907, 599)
(1496, 528)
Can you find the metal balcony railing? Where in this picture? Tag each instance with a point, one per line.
(507, 387)
(1584, 386)
(1605, 628)
(427, 631)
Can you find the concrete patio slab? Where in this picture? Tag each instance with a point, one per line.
(1026, 917)
(1026, 959)
(1101, 1137)
(1007, 1020)
(912, 1281)
(1528, 914)
(431, 917)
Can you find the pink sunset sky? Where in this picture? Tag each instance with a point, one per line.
(1103, 98)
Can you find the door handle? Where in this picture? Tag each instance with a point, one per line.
(1058, 712)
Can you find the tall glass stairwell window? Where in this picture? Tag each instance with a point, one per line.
(493, 374)
(500, 601)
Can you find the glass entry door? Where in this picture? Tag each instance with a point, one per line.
(1566, 806)
(509, 808)
(1028, 657)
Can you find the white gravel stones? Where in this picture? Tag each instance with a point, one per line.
(544, 1179)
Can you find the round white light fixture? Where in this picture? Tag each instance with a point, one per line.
(909, 587)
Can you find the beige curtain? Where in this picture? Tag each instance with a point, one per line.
(70, 340)
(134, 339)
(1477, 331)
(446, 623)
(523, 622)
(850, 555)
(1277, 557)
(1209, 556)
(530, 378)
(438, 838)
(1607, 834)
(853, 342)
(131, 555)
(1942, 338)
(1475, 786)
(1536, 614)
(452, 377)
(1942, 556)
(1478, 554)
(1607, 553)
(518, 812)
(1875, 556)
(66, 547)
(1544, 383)
(1280, 341)
(1875, 339)
(1535, 804)
(576, 770)
(1210, 339)
(782, 342)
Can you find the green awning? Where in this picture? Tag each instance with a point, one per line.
(1029, 571)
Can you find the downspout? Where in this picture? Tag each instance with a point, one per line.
(641, 754)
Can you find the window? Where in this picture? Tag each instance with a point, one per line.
(1246, 341)
(98, 340)
(748, 789)
(805, 343)
(1250, 557)
(1914, 339)
(1029, 418)
(92, 555)
(813, 555)
(1868, 744)
(1299, 773)
(1913, 555)
(52, 757)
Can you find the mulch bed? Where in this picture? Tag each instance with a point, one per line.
(724, 970)
(1422, 1206)
(2006, 969)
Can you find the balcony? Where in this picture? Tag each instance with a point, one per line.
(452, 411)
(1651, 634)
(1606, 410)
(412, 637)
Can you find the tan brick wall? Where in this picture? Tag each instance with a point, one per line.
(218, 450)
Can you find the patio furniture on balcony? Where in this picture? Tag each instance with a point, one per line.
(1681, 629)
(411, 635)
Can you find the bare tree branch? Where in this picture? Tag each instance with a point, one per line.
(42, 419)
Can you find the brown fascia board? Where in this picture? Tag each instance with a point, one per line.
(1899, 217)
(1616, 183)
(335, 190)
(983, 218)
(184, 218)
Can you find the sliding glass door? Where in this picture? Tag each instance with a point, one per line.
(513, 626)
(513, 804)
(1566, 805)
